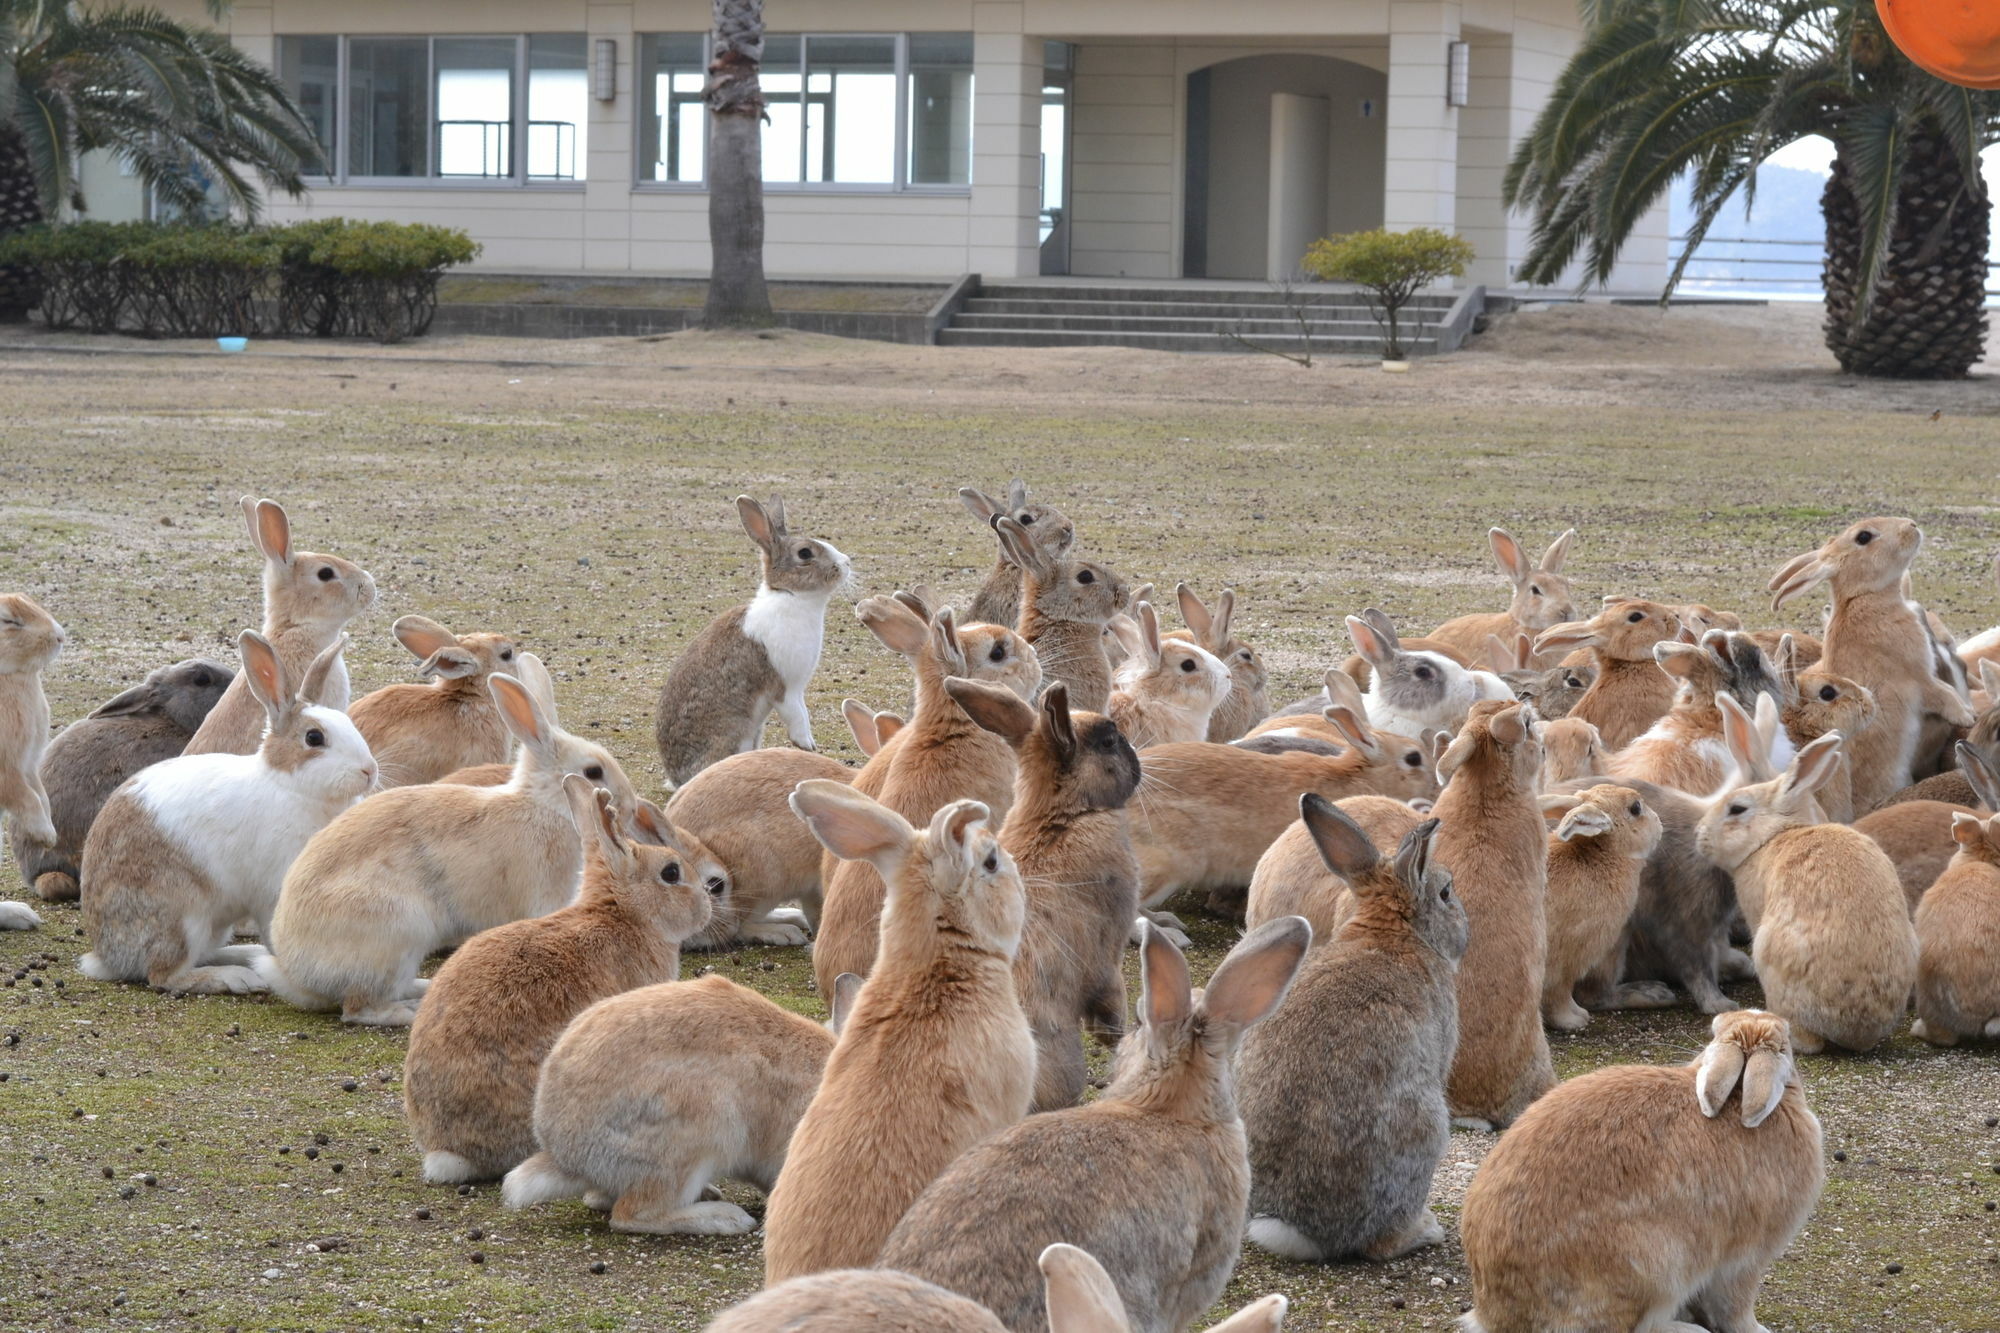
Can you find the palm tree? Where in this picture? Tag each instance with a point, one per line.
(1712, 88)
(737, 295)
(195, 119)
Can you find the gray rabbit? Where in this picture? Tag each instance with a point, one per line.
(1342, 1090)
(86, 763)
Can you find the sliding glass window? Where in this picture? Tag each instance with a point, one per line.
(673, 131)
(502, 110)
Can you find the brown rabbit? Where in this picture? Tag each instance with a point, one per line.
(1597, 851)
(498, 1004)
(1958, 940)
(1552, 690)
(1630, 693)
(1918, 835)
(1875, 637)
(1294, 879)
(755, 658)
(1165, 690)
(1542, 598)
(998, 601)
(1816, 702)
(1248, 701)
(1492, 839)
(1685, 749)
(1070, 838)
(1065, 604)
(936, 1055)
(944, 755)
(1572, 749)
(30, 641)
(308, 600)
(420, 733)
(1984, 737)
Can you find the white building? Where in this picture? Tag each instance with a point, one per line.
(928, 138)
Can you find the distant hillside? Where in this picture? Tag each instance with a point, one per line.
(1786, 209)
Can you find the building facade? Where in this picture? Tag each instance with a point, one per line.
(926, 138)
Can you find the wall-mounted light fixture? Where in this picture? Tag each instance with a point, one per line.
(1458, 83)
(604, 69)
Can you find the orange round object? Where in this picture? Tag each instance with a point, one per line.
(1957, 40)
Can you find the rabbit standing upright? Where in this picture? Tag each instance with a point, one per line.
(90, 757)
(1635, 1196)
(1247, 703)
(1065, 604)
(30, 639)
(1631, 692)
(1165, 690)
(1597, 853)
(755, 658)
(998, 601)
(308, 600)
(192, 845)
(1342, 1089)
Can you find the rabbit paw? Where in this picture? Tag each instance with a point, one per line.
(40, 831)
(18, 916)
(1936, 1037)
(782, 933)
(1473, 1123)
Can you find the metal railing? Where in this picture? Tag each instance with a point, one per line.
(1779, 271)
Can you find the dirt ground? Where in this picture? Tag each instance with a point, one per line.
(231, 1163)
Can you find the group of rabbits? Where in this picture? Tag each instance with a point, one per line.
(1462, 841)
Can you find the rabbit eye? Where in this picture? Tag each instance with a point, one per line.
(1828, 693)
(998, 653)
(1187, 664)
(315, 737)
(1086, 576)
(715, 885)
(1738, 808)
(1026, 519)
(670, 873)
(1414, 759)
(1863, 537)
(1635, 617)
(1635, 809)
(1444, 894)
(1423, 673)
(506, 654)
(805, 553)
(1535, 590)
(992, 862)
(594, 772)
(326, 573)
(1245, 655)
(1572, 682)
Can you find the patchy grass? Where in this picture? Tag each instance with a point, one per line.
(582, 503)
(685, 293)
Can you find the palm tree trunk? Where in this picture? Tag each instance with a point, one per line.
(20, 208)
(737, 296)
(1928, 318)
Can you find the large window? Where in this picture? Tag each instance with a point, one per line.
(859, 111)
(500, 110)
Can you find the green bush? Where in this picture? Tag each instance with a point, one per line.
(1391, 267)
(327, 277)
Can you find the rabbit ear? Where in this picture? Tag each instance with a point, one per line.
(1566, 637)
(1585, 821)
(861, 722)
(1767, 719)
(1678, 659)
(1135, 595)
(1507, 553)
(994, 707)
(1811, 767)
(519, 711)
(1739, 735)
(846, 987)
(596, 818)
(944, 638)
(1353, 729)
(650, 824)
(1342, 845)
(1081, 1296)
(918, 600)
(954, 826)
(1499, 657)
(1253, 979)
(1125, 631)
(263, 672)
(1414, 852)
(1341, 689)
(1803, 572)
(853, 827)
(312, 689)
(1511, 726)
(423, 636)
(449, 664)
(1455, 753)
(1984, 781)
(1556, 804)
(899, 628)
(270, 530)
(1149, 635)
(1020, 549)
(1165, 994)
(1552, 559)
(1786, 664)
(1260, 1316)
(1057, 723)
(141, 698)
(757, 523)
(1370, 643)
(1989, 680)
(1017, 494)
(887, 725)
(774, 509)
(1967, 829)
(1194, 612)
(1720, 1070)
(981, 505)
(1765, 1076)
(1225, 613)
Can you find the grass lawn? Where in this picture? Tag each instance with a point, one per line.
(200, 1164)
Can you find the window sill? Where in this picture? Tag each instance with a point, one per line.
(444, 183)
(794, 190)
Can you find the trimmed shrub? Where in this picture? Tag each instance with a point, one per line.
(1390, 267)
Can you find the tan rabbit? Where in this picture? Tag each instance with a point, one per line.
(1572, 750)
(417, 869)
(998, 601)
(420, 733)
(1685, 749)
(1166, 690)
(871, 730)
(30, 640)
(754, 659)
(1958, 940)
(945, 754)
(308, 600)
(1065, 604)
(1833, 943)
(1918, 836)
(1248, 701)
(1293, 878)
(1983, 737)
(1817, 702)
(1875, 637)
(1492, 839)
(498, 1004)
(936, 1056)
(1597, 851)
(1542, 598)
(650, 1095)
(1155, 1171)
(1205, 813)
(1631, 692)
(1636, 1196)
(1699, 619)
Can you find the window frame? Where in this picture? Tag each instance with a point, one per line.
(516, 179)
(641, 184)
